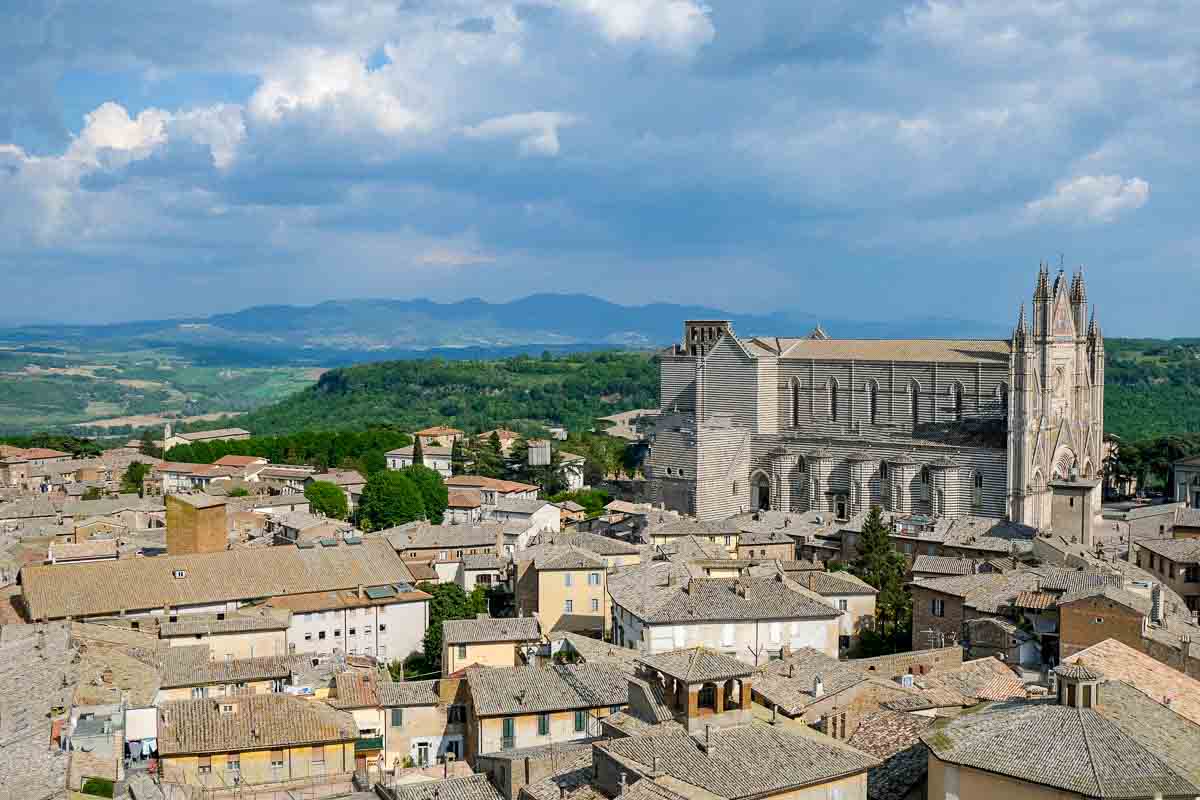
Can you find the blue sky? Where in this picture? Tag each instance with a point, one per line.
(860, 160)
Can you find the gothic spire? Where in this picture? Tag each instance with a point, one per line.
(1022, 329)
(1093, 326)
(1078, 289)
(1042, 291)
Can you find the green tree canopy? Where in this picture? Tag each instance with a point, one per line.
(135, 474)
(449, 602)
(390, 498)
(458, 457)
(433, 491)
(882, 566)
(418, 452)
(327, 498)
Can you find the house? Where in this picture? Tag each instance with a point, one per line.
(517, 707)
(439, 436)
(572, 470)
(849, 594)
(742, 762)
(1175, 562)
(927, 566)
(426, 721)
(566, 587)
(239, 635)
(445, 546)
(986, 637)
(256, 739)
(220, 434)
(1098, 739)
(480, 569)
(659, 606)
(284, 478)
(432, 456)
(507, 439)
(569, 511)
(175, 586)
(287, 528)
(533, 516)
(1119, 662)
(384, 622)
(462, 787)
(1186, 473)
(488, 642)
(616, 553)
(669, 531)
(348, 480)
(463, 507)
(190, 672)
(493, 490)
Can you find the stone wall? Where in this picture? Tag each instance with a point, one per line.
(942, 659)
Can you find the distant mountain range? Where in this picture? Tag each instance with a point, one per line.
(346, 331)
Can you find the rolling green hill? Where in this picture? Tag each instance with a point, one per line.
(474, 395)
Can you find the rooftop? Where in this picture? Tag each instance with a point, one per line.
(1181, 551)
(592, 542)
(894, 737)
(257, 722)
(743, 761)
(244, 621)
(490, 629)
(137, 584)
(943, 351)
(656, 596)
(697, 665)
(219, 433)
(1073, 749)
(530, 690)
(789, 682)
(1161, 683)
(469, 787)
(494, 484)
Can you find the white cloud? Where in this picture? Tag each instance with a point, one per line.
(448, 256)
(1091, 198)
(680, 26)
(537, 131)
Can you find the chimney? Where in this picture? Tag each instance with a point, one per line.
(818, 686)
(791, 670)
(708, 743)
(654, 765)
(622, 784)
(1156, 604)
(774, 715)
(361, 591)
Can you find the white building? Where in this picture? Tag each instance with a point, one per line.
(572, 470)
(532, 516)
(658, 607)
(436, 458)
(385, 622)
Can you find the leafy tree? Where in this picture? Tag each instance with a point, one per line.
(487, 457)
(148, 447)
(593, 500)
(449, 602)
(238, 491)
(391, 498)
(458, 457)
(327, 498)
(418, 452)
(134, 475)
(433, 491)
(93, 493)
(882, 566)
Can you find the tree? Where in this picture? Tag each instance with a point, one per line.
(488, 457)
(391, 498)
(418, 452)
(327, 498)
(882, 566)
(93, 493)
(148, 447)
(238, 491)
(449, 602)
(458, 457)
(433, 491)
(135, 474)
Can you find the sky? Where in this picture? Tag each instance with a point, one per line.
(869, 160)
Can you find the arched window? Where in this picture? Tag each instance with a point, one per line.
(872, 401)
(795, 403)
(977, 490)
(956, 398)
(833, 399)
(1002, 390)
(801, 464)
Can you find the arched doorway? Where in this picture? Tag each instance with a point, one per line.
(760, 491)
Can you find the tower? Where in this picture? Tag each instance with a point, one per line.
(1056, 414)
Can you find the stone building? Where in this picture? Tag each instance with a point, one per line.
(939, 427)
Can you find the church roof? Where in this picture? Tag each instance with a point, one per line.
(961, 351)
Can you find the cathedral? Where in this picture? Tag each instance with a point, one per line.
(937, 427)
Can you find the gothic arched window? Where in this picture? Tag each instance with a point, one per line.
(795, 404)
(914, 394)
(872, 401)
(956, 397)
(833, 399)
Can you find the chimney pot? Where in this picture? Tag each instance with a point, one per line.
(818, 686)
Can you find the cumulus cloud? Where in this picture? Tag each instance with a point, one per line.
(680, 26)
(536, 131)
(1090, 198)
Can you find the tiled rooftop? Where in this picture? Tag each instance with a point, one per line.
(258, 722)
(530, 690)
(490, 629)
(696, 665)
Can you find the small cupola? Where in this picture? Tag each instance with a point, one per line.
(1078, 686)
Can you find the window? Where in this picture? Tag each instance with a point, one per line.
(308, 636)
(914, 392)
(613, 709)
(276, 759)
(937, 607)
(873, 401)
(580, 721)
(318, 756)
(337, 632)
(593, 579)
(397, 717)
(956, 396)
(204, 765)
(1071, 694)
(320, 635)
(843, 604)
(595, 604)
(543, 724)
(507, 728)
(728, 541)
(367, 630)
(383, 627)
(233, 762)
(795, 404)
(833, 400)
(199, 691)
(462, 651)
(351, 632)
(1087, 696)
(456, 714)
(569, 606)
(566, 579)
